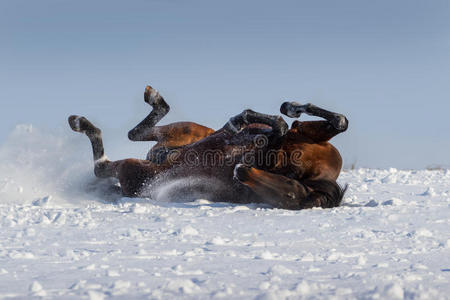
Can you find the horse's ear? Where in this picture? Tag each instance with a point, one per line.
(295, 124)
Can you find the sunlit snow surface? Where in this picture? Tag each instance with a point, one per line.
(60, 239)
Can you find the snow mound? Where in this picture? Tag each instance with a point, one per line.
(47, 169)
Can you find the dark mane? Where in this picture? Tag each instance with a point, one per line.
(330, 189)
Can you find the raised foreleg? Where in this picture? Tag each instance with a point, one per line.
(247, 117)
(145, 130)
(316, 131)
(168, 137)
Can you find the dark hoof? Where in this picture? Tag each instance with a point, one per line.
(288, 109)
(75, 124)
(242, 172)
(150, 95)
(284, 108)
(81, 124)
(340, 122)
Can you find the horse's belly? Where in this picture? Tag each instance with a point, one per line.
(190, 188)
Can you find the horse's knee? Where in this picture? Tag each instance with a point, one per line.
(247, 112)
(244, 115)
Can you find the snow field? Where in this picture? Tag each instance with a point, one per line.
(59, 239)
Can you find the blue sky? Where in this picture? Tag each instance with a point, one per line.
(384, 64)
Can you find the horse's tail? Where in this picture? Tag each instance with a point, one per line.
(325, 194)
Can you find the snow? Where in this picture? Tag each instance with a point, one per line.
(60, 238)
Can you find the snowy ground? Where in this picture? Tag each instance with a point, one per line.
(58, 239)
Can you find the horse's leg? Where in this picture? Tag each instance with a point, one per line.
(317, 131)
(239, 122)
(103, 167)
(168, 137)
(146, 130)
(294, 110)
(101, 163)
(132, 173)
(282, 192)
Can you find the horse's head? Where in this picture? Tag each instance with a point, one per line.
(272, 188)
(279, 191)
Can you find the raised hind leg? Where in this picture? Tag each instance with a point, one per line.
(103, 167)
(294, 110)
(133, 174)
(316, 131)
(101, 163)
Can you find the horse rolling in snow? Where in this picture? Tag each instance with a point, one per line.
(254, 158)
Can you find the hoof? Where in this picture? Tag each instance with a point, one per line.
(81, 124)
(284, 108)
(150, 95)
(340, 122)
(288, 109)
(75, 124)
(242, 173)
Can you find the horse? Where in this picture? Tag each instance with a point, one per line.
(253, 158)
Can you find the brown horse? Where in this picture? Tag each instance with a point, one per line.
(254, 158)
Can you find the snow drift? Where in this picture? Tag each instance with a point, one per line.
(36, 164)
